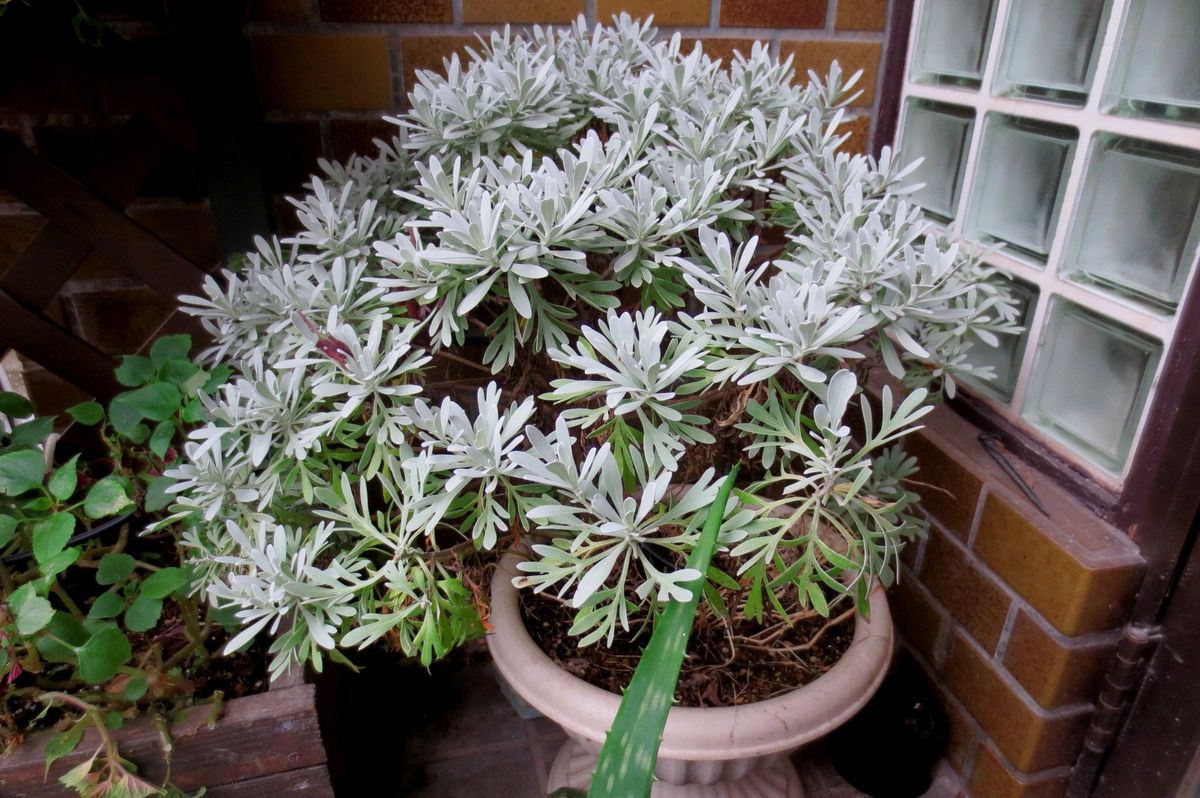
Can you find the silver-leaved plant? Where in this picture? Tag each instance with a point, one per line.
(574, 220)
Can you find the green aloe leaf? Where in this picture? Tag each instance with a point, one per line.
(626, 765)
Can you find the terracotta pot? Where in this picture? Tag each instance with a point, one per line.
(706, 752)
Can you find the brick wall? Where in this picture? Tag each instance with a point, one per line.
(1015, 614)
(329, 69)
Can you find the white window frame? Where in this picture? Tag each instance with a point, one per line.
(1089, 120)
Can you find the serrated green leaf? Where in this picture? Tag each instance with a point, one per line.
(157, 401)
(21, 471)
(63, 635)
(64, 480)
(157, 497)
(143, 614)
(170, 347)
(102, 655)
(8, 530)
(34, 614)
(192, 412)
(50, 535)
(20, 596)
(217, 377)
(39, 505)
(106, 498)
(126, 420)
(160, 439)
(135, 370)
(60, 562)
(183, 374)
(77, 778)
(192, 385)
(107, 605)
(114, 567)
(88, 412)
(164, 582)
(14, 405)
(32, 432)
(62, 744)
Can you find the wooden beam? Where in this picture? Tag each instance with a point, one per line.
(39, 273)
(55, 349)
(67, 203)
(258, 740)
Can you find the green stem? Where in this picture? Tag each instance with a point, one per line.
(67, 601)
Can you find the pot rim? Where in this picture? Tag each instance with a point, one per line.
(778, 724)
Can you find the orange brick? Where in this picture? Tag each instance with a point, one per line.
(948, 488)
(680, 13)
(852, 56)
(861, 15)
(386, 11)
(1056, 671)
(324, 72)
(499, 11)
(1031, 738)
(426, 53)
(993, 778)
(718, 48)
(859, 129)
(773, 14)
(917, 617)
(1038, 560)
(975, 600)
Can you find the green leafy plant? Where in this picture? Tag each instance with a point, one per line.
(81, 589)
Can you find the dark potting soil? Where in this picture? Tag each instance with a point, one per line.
(729, 662)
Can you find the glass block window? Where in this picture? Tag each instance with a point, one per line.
(1064, 138)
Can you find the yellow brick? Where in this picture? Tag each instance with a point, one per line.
(679, 13)
(859, 129)
(861, 15)
(852, 56)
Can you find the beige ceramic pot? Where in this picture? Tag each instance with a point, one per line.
(729, 752)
